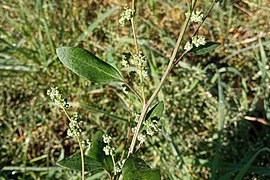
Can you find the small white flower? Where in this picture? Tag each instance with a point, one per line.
(144, 74)
(118, 166)
(149, 131)
(125, 16)
(133, 129)
(56, 96)
(117, 169)
(74, 128)
(86, 144)
(141, 138)
(196, 17)
(198, 40)
(188, 46)
(138, 59)
(151, 127)
(125, 63)
(107, 150)
(125, 90)
(106, 139)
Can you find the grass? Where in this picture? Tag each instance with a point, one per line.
(193, 143)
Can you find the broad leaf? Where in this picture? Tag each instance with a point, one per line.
(156, 111)
(96, 152)
(136, 169)
(86, 64)
(74, 162)
(203, 49)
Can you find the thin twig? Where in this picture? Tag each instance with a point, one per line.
(179, 59)
(207, 14)
(134, 91)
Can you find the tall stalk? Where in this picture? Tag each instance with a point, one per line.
(148, 103)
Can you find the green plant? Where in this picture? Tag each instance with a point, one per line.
(102, 155)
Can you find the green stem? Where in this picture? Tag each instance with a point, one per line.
(134, 91)
(168, 69)
(80, 144)
(142, 85)
(133, 27)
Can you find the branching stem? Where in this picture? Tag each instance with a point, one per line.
(167, 70)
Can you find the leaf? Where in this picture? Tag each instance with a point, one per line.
(156, 111)
(74, 162)
(208, 47)
(245, 168)
(96, 152)
(136, 169)
(86, 64)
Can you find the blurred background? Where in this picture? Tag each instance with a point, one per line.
(217, 112)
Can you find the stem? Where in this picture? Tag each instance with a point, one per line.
(133, 28)
(80, 144)
(179, 59)
(82, 157)
(207, 14)
(113, 164)
(168, 69)
(142, 85)
(134, 91)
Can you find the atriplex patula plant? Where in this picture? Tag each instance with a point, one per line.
(102, 155)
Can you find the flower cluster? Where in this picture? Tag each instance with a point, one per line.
(118, 166)
(196, 17)
(141, 138)
(196, 41)
(107, 149)
(139, 61)
(74, 129)
(86, 144)
(56, 96)
(188, 46)
(151, 126)
(126, 16)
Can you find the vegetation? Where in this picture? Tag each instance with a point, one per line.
(215, 122)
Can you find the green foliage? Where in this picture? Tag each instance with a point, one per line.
(136, 169)
(85, 64)
(28, 67)
(156, 111)
(204, 49)
(74, 162)
(95, 160)
(96, 152)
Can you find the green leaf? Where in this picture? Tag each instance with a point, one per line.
(96, 152)
(136, 169)
(86, 64)
(74, 162)
(208, 47)
(156, 111)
